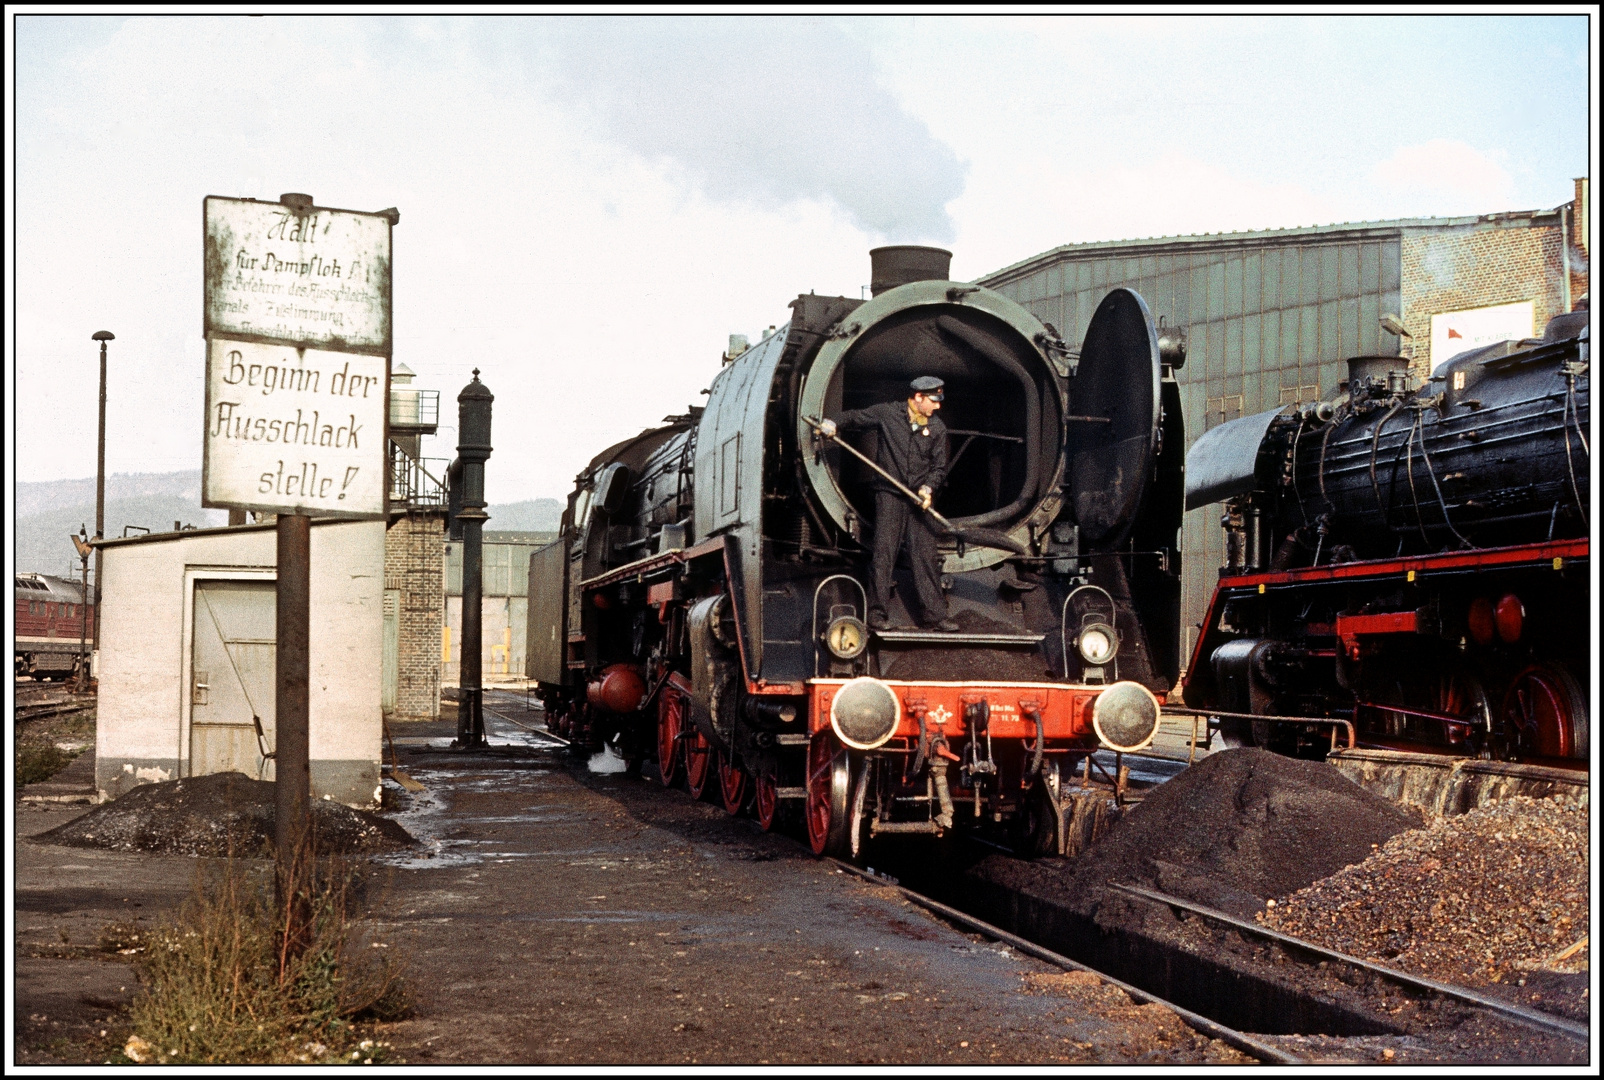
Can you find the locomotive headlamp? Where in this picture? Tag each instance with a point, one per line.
(864, 713)
(847, 637)
(1098, 642)
(1125, 717)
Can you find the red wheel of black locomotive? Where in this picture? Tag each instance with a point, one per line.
(670, 725)
(699, 762)
(733, 785)
(766, 799)
(829, 781)
(1545, 714)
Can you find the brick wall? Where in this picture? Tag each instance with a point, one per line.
(1503, 261)
(414, 565)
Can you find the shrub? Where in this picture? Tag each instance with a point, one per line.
(223, 986)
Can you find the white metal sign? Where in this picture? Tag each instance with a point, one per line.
(312, 277)
(294, 431)
(1455, 331)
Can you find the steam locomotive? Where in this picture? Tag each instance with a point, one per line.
(706, 602)
(1414, 562)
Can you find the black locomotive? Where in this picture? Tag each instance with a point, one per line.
(706, 601)
(1412, 561)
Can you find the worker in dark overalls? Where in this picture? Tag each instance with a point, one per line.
(912, 447)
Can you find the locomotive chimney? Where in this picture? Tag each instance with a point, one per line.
(902, 263)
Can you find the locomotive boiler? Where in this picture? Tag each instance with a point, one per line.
(706, 601)
(1412, 561)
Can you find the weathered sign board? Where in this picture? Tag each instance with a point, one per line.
(314, 277)
(298, 337)
(294, 431)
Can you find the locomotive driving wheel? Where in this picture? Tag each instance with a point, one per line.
(699, 755)
(766, 799)
(829, 780)
(732, 783)
(670, 725)
(1544, 714)
(1432, 697)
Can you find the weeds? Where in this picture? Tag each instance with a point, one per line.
(37, 762)
(222, 984)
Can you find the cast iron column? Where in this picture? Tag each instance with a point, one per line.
(473, 450)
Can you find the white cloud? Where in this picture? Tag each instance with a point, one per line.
(1170, 193)
(1448, 175)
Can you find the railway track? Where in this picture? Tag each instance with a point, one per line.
(1531, 1018)
(1247, 1044)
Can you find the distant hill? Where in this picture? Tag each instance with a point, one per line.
(48, 511)
(36, 497)
(531, 515)
(42, 544)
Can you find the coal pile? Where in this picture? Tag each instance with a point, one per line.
(223, 814)
(1236, 829)
(1497, 895)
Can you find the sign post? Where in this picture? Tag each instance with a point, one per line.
(298, 340)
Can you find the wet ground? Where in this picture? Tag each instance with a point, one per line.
(556, 916)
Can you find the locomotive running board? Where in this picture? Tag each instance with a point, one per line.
(941, 637)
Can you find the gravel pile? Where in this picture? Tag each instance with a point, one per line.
(1485, 897)
(1237, 828)
(219, 815)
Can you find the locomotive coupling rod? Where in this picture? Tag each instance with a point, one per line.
(1265, 1052)
(1529, 1017)
(979, 537)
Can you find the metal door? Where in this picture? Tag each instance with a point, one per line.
(231, 678)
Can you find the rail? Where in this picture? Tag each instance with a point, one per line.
(1263, 1051)
(1529, 1017)
(416, 483)
(414, 411)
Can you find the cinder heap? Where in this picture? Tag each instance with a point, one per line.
(224, 814)
(1236, 828)
(1479, 898)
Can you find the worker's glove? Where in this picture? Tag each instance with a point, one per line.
(827, 428)
(924, 497)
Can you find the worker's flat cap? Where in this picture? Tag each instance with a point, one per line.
(928, 385)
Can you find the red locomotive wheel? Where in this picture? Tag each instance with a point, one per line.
(1545, 714)
(699, 755)
(670, 723)
(732, 784)
(766, 800)
(829, 780)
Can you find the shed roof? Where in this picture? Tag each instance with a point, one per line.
(1343, 230)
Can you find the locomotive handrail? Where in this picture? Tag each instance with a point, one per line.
(1176, 711)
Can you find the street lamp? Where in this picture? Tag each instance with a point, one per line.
(101, 336)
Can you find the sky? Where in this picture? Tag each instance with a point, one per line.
(591, 205)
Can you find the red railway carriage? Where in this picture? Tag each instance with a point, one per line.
(707, 602)
(1413, 562)
(51, 620)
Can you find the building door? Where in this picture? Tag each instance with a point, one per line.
(231, 678)
(392, 650)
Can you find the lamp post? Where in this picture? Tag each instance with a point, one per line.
(101, 336)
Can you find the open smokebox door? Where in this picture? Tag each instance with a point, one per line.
(1113, 426)
(1001, 406)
